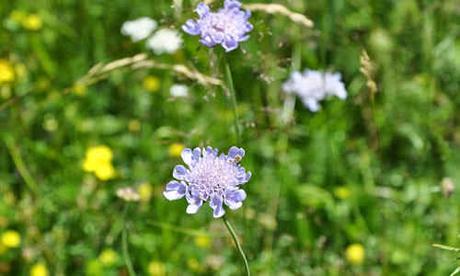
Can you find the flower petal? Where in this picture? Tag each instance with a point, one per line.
(202, 9)
(207, 41)
(234, 198)
(191, 27)
(216, 205)
(175, 190)
(194, 202)
(210, 152)
(187, 155)
(232, 4)
(230, 44)
(236, 153)
(180, 172)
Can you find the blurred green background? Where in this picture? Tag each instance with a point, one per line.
(362, 187)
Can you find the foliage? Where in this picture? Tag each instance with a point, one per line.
(364, 172)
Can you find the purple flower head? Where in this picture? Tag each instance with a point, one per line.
(209, 177)
(228, 26)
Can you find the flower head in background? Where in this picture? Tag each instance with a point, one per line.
(355, 254)
(108, 257)
(209, 177)
(156, 268)
(175, 149)
(165, 41)
(229, 26)
(145, 191)
(139, 29)
(151, 84)
(39, 269)
(314, 86)
(32, 22)
(98, 160)
(179, 91)
(128, 194)
(10, 239)
(7, 73)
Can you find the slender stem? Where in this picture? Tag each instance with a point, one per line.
(446, 247)
(229, 80)
(238, 245)
(20, 165)
(124, 238)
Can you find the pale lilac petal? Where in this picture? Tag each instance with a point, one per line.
(202, 9)
(175, 190)
(216, 205)
(230, 44)
(180, 172)
(234, 198)
(210, 152)
(236, 153)
(191, 27)
(232, 4)
(187, 155)
(195, 204)
(243, 176)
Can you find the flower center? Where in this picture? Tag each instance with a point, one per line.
(212, 175)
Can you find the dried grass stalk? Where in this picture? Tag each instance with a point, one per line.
(280, 9)
(368, 70)
(100, 71)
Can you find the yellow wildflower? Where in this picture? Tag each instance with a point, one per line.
(99, 161)
(11, 239)
(39, 269)
(355, 254)
(32, 22)
(145, 191)
(105, 172)
(175, 149)
(156, 269)
(342, 192)
(17, 16)
(202, 241)
(151, 84)
(194, 265)
(108, 257)
(134, 125)
(6, 72)
(79, 89)
(20, 70)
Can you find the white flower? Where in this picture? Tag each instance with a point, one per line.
(314, 86)
(165, 41)
(139, 29)
(179, 90)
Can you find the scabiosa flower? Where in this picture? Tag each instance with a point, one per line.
(228, 26)
(314, 86)
(165, 41)
(139, 29)
(209, 177)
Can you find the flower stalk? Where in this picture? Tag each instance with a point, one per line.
(231, 88)
(237, 244)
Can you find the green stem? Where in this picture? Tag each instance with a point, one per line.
(238, 245)
(20, 165)
(229, 80)
(126, 257)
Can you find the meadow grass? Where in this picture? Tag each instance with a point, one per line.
(364, 186)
